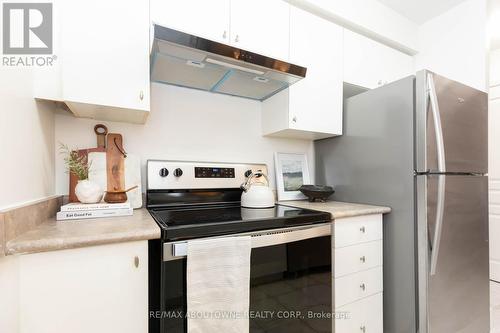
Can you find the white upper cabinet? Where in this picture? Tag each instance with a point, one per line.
(370, 64)
(316, 101)
(312, 107)
(261, 26)
(208, 19)
(102, 67)
(105, 60)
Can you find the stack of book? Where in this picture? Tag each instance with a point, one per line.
(76, 211)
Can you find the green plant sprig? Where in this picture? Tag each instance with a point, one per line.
(75, 164)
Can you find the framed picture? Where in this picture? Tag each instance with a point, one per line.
(291, 173)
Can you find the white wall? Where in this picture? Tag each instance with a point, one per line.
(186, 124)
(9, 291)
(26, 140)
(494, 186)
(367, 17)
(454, 44)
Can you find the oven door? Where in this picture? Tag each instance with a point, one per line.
(290, 281)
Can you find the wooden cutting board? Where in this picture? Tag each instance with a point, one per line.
(115, 163)
(98, 174)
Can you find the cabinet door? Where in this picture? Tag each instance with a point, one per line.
(364, 316)
(316, 100)
(208, 19)
(47, 79)
(357, 229)
(261, 26)
(106, 53)
(356, 286)
(359, 257)
(96, 289)
(370, 64)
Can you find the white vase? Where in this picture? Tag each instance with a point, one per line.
(88, 192)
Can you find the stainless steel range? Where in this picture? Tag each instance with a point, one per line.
(290, 257)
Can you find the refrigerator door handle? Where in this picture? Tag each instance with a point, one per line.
(436, 240)
(441, 161)
(436, 115)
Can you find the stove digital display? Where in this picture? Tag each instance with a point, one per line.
(200, 172)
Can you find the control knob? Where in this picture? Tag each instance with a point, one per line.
(248, 173)
(178, 172)
(163, 172)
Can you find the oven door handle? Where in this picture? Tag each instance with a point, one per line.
(178, 250)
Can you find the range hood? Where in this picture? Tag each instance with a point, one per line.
(189, 61)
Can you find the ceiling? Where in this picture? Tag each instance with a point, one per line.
(420, 11)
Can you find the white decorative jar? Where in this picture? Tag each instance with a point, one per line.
(88, 192)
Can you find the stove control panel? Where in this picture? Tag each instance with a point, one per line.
(203, 172)
(174, 175)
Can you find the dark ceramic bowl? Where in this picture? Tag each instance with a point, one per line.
(316, 192)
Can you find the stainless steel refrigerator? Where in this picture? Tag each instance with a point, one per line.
(420, 146)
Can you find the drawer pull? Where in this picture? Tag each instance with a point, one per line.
(362, 259)
(362, 229)
(362, 286)
(363, 328)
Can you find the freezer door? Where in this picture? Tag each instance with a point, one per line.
(451, 126)
(453, 272)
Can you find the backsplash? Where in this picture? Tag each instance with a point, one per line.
(18, 220)
(186, 124)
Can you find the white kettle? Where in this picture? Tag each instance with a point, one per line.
(257, 194)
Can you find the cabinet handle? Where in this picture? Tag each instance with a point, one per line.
(136, 261)
(237, 38)
(294, 119)
(141, 95)
(363, 328)
(224, 35)
(362, 229)
(362, 259)
(362, 286)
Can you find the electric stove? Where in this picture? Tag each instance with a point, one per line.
(290, 246)
(193, 200)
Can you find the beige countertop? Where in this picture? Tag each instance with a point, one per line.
(54, 235)
(339, 209)
(58, 235)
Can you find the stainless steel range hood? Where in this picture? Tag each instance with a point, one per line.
(189, 61)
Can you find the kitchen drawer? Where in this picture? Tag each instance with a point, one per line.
(355, 230)
(363, 316)
(356, 258)
(356, 286)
